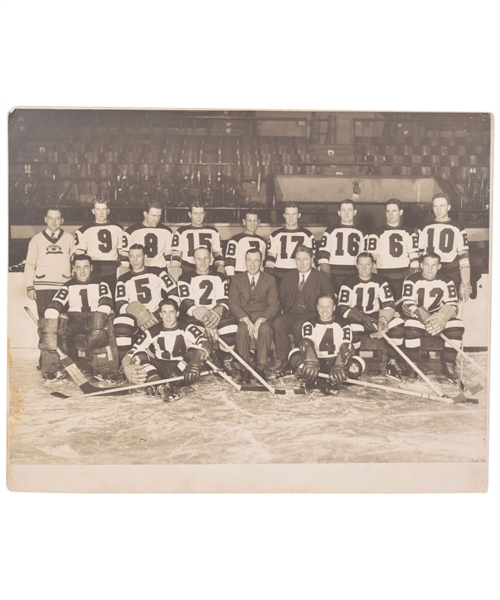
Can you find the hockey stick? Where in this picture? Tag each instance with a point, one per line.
(230, 380)
(464, 354)
(434, 386)
(461, 385)
(387, 388)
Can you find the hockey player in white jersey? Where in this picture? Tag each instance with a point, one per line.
(367, 303)
(79, 318)
(189, 237)
(204, 302)
(448, 239)
(138, 296)
(283, 243)
(168, 349)
(238, 245)
(326, 347)
(102, 240)
(340, 246)
(394, 248)
(156, 237)
(430, 303)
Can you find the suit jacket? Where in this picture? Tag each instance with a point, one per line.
(317, 284)
(265, 303)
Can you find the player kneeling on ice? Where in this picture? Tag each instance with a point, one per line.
(204, 302)
(430, 303)
(325, 347)
(80, 318)
(367, 303)
(166, 350)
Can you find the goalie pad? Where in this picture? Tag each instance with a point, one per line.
(175, 271)
(143, 317)
(96, 333)
(194, 359)
(310, 365)
(359, 316)
(47, 333)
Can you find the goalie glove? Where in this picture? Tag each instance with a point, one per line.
(175, 271)
(144, 318)
(310, 365)
(96, 334)
(194, 359)
(359, 316)
(338, 373)
(133, 371)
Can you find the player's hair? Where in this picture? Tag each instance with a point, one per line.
(346, 201)
(291, 205)
(79, 258)
(430, 255)
(305, 249)
(364, 255)
(326, 297)
(394, 201)
(152, 204)
(169, 302)
(196, 204)
(53, 208)
(253, 251)
(100, 201)
(137, 247)
(252, 211)
(440, 195)
(201, 248)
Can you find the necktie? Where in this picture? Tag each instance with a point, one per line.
(252, 287)
(302, 283)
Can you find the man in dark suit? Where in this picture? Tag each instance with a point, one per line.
(253, 300)
(298, 293)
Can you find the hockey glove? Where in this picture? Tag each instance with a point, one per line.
(422, 315)
(175, 271)
(338, 373)
(133, 371)
(212, 317)
(194, 358)
(465, 291)
(199, 313)
(359, 317)
(144, 318)
(310, 368)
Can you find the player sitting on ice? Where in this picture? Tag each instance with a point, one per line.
(166, 350)
(86, 326)
(430, 303)
(325, 347)
(366, 301)
(204, 302)
(138, 296)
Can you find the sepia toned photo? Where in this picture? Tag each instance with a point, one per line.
(248, 301)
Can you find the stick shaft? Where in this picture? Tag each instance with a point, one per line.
(464, 354)
(413, 365)
(247, 367)
(223, 375)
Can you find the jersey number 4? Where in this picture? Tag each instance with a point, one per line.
(327, 344)
(178, 350)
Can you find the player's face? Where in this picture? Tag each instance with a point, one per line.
(292, 217)
(253, 261)
(440, 207)
(347, 213)
(53, 220)
(136, 258)
(202, 260)
(430, 267)
(303, 261)
(83, 270)
(168, 316)
(197, 216)
(325, 308)
(101, 212)
(364, 267)
(393, 214)
(251, 222)
(152, 218)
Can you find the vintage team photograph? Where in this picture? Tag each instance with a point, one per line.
(222, 300)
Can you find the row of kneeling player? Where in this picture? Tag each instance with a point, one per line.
(155, 324)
